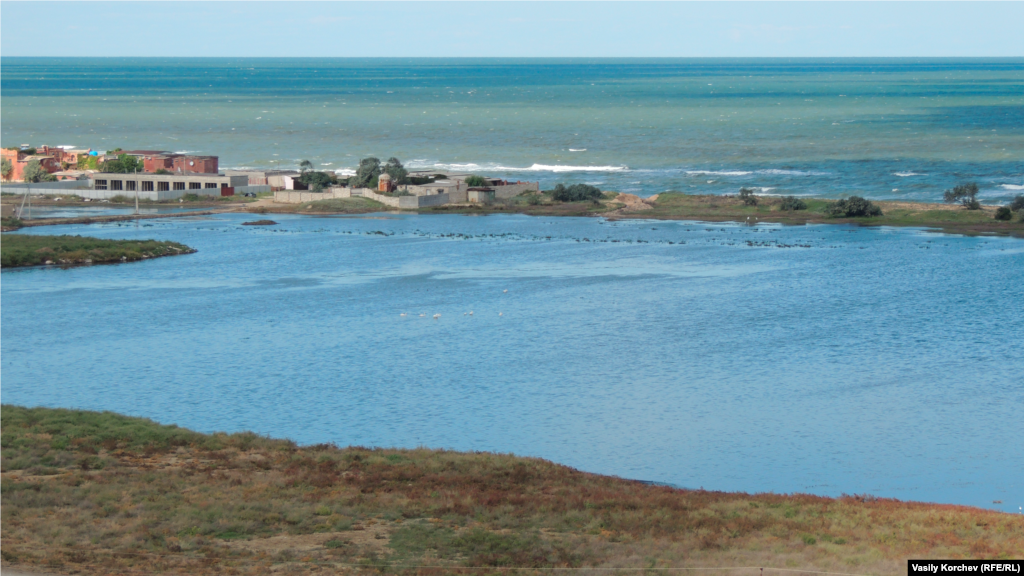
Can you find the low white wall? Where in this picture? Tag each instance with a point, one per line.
(416, 202)
(300, 196)
(256, 189)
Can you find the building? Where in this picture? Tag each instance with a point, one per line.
(480, 195)
(19, 159)
(384, 183)
(164, 186)
(153, 160)
(273, 178)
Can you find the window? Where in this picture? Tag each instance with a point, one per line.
(211, 184)
(130, 185)
(101, 184)
(179, 185)
(116, 185)
(195, 185)
(163, 186)
(147, 186)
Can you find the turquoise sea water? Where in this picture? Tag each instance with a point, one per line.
(882, 128)
(823, 359)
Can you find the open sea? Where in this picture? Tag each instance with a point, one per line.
(880, 128)
(826, 359)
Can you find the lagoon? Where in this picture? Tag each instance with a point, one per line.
(823, 359)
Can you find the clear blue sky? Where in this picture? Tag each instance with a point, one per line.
(529, 29)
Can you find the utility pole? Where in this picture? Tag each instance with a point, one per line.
(136, 191)
(21, 210)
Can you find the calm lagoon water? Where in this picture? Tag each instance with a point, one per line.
(823, 359)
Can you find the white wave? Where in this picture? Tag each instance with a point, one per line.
(717, 173)
(577, 149)
(185, 151)
(66, 147)
(1012, 186)
(905, 174)
(327, 163)
(345, 172)
(473, 167)
(777, 172)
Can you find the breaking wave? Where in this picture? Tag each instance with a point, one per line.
(472, 167)
(905, 174)
(1012, 186)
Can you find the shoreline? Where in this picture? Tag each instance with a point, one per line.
(946, 218)
(163, 499)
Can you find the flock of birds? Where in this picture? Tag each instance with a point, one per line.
(470, 313)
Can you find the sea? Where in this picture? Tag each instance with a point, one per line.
(902, 128)
(823, 359)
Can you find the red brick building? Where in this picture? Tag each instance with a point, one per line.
(153, 160)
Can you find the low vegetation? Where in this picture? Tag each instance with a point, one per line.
(790, 203)
(748, 197)
(30, 250)
(576, 193)
(475, 180)
(852, 207)
(100, 493)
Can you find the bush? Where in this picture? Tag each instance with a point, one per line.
(475, 180)
(1004, 213)
(120, 199)
(853, 207)
(575, 193)
(792, 203)
(748, 197)
(1018, 203)
(965, 194)
(190, 197)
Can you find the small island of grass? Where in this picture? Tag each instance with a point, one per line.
(100, 493)
(30, 250)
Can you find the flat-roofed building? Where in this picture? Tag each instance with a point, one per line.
(164, 186)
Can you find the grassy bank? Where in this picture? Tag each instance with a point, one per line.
(26, 250)
(99, 493)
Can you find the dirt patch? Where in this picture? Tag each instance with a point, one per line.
(634, 203)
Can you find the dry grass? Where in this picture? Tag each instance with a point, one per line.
(98, 493)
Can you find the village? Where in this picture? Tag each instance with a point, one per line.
(155, 176)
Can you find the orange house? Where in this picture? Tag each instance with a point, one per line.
(19, 160)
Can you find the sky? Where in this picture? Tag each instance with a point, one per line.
(512, 29)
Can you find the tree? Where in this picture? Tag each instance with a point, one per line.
(792, 203)
(965, 194)
(398, 173)
(575, 193)
(305, 165)
(34, 172)
(1018, 203)
(853, 207)
(6, 169)
(316, 181)
(366, 173)
(747, 195)
(1004, 213)
(124, 164)
(475, 180)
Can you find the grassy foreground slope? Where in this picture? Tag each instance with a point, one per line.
(100, 493)
(30, 250)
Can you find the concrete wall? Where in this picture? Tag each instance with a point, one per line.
(392, 201)
(251, 188)
(300, 196)
(19, 187)
(416, 202)
(511, 190)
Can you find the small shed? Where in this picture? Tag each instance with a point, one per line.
(480, 195)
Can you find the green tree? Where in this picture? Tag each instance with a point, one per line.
(398, 173)
(965, 194)
(748, 197)
(853, 207)
(792, 203)
(305, 165)
(366, 173)
(475, 180)
(34, 172)
(6, 168)
(316, 181)
(575, 193)
(124, 164)
(1018, 203)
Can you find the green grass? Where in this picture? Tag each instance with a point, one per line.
(335, 205)
(33, 250)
